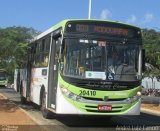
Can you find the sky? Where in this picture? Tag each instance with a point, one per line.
(43, 14)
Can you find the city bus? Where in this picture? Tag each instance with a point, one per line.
(84, 67)
(3, 78)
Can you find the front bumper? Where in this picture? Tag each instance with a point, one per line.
(66, 105)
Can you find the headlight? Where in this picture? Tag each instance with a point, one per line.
(139, 93)
(70, 94)
(135, 97)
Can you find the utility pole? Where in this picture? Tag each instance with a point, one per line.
(90, 8)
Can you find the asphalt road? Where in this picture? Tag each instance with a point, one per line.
(75, 123)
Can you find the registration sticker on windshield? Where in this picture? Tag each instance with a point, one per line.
(95, 75)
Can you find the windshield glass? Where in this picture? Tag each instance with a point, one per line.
(122, 61)
(99, 59)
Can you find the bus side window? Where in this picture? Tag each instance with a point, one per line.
(37, 55)
(47, 44)
(40, 52)
(45, 53)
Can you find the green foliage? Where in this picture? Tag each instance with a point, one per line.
(13, 47)
(151, 42)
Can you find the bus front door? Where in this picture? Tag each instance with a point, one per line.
(53, 74)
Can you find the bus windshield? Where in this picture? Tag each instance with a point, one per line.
(100, 59)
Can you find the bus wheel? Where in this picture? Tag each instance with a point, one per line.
(46, 114)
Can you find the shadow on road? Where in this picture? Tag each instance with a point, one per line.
(14, 97)
(7, 106)
(144, 120)
(85, 121)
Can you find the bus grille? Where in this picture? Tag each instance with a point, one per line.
(101, 99)
(94, 109)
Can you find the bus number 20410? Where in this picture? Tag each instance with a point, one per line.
(87, 93)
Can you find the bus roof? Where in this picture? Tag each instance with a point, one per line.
(63, 23)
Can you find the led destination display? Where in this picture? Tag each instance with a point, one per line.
(106, 28)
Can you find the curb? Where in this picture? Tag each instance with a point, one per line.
(29, 115)
(21, 109)
(151, 112)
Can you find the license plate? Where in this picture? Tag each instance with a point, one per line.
(105, 107)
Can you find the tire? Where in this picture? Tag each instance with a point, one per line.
(45, 113)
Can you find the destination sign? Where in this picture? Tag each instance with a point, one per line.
(101, 29)
(104, 28)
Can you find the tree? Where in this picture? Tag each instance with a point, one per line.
(151, 42)
(13, 47)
